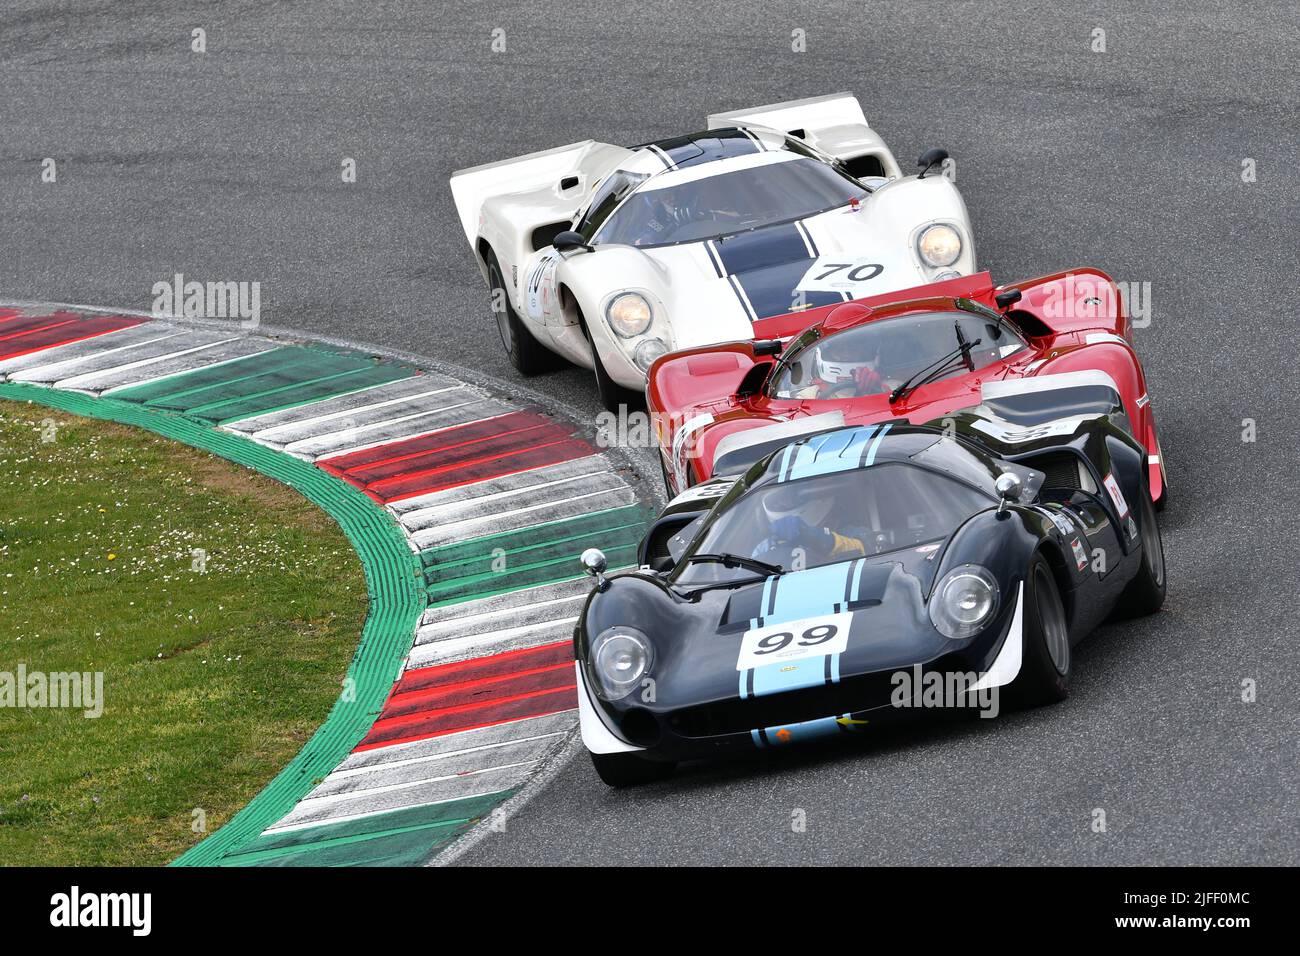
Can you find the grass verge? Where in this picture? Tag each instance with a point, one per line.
(220, 606)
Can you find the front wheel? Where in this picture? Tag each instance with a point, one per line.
(629, 770)
(1045, 658)
(611, 394)
(526, 354)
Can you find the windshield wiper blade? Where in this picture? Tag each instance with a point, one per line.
(728, 560)
(965, 347)
(935, 369)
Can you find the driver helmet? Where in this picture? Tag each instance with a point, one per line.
(803, 499)
(838, 360)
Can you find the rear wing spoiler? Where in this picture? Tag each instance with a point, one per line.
(797, 117)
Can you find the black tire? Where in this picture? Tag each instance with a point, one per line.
(611, 394)
(527, 355)
(629, 770)
(1145, 594)
(1045, 655)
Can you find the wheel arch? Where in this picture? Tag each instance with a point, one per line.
(1055, 558)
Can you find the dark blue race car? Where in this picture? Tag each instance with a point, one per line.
(858, 574)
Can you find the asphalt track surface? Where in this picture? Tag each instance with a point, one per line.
(226, 165)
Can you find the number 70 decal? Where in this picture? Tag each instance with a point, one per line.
(829, 274)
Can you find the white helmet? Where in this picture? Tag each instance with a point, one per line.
(802, 498)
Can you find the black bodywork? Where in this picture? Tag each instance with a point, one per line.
(1068, 449)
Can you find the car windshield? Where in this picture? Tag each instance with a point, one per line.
(824, 519)
(608, 195)
(712, 206)
(877, 357)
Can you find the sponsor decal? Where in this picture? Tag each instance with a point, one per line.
(1011, 434)
(1117, 496)
(1060, 519)
(537, 291)
(1080, 553)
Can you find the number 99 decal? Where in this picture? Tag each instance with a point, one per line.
(791, 641)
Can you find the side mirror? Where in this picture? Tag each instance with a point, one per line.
(1006, 300)
(570, 241)
(1008, 487)
(930, 159)
(594, 563)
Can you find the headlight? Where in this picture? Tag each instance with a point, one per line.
(965, 600)
(628, 314)
(620, 657)
(647, 352)
(938, 245)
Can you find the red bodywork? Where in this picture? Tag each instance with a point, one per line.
(1073, 321)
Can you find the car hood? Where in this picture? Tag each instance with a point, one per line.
(720, 287)
(876, 605)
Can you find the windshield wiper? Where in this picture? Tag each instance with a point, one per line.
(937, 368)
(965, 347)
(728, 560)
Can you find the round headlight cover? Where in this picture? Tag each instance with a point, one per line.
(647, 351)
(620, 657)
(938, 245)
(964, 601)
(629, 314)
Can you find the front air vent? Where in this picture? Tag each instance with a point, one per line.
(1063, 470)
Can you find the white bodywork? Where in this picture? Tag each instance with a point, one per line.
(512, 209)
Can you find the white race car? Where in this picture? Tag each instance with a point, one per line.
(611, 257)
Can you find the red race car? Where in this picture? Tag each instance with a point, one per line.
(919, 354)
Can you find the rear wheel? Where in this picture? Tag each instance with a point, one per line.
(1045, 658)
(1145, 594)
(629, 770)
(526, 354)
(612, 395)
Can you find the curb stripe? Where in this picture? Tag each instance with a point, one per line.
(20, 338)
(457, 479)
(109, 343)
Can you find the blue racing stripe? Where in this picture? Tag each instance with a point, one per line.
(774, 290)
(791, 675)
(871, 455)
(762, 249)
(828, 454)
(808, 593)
(802, 731)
